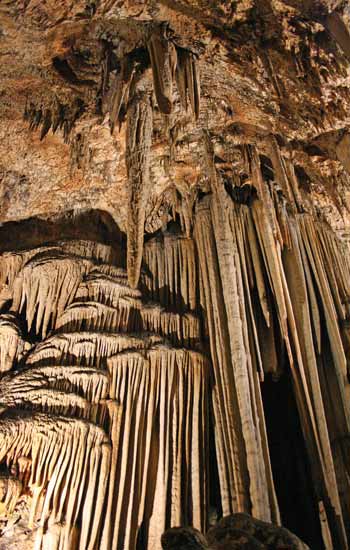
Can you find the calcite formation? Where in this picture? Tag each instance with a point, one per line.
(174, 274)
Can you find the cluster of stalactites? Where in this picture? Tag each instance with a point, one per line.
(170, 275)
(10, 491)
(170, 63)
(41, 282)
(269, 275)
(12, 262)
(160, 444)
(45, 286)
(56, 116)
(96, 316)
(88, 406)
(58, 389)
(69, 462)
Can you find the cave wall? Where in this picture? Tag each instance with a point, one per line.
(174, 270)
(110, 395)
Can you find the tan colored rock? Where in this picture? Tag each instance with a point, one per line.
(174, 210)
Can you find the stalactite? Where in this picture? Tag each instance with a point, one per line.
(91, 347)
(11, 342)
(54, 444)
(138, 145)
(171, 271)
(188, 81)
(45, 286)
(10, 265)
(12, 488)
(241, 438)
(280, 170)
(165, 467)
(120, 93)
(312, 248)
(163, 60)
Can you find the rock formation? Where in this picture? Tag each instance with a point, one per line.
(235, 531)
(174, 274)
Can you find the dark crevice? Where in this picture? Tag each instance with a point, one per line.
(290, 463)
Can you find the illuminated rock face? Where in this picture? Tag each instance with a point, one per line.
(105, 415)
(128, 411)
(174, 272)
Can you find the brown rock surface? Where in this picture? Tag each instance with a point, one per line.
(231, 530)
(263, 68)
(183, 538)
(174, 272)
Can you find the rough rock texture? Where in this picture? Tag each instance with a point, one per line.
(236, 72)
(174, 271)
(183, 538)
(231, 528)
(235, 531)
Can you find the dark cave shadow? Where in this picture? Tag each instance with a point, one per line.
(95, 225)
(290, 462)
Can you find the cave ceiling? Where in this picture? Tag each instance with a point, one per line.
(264, 71)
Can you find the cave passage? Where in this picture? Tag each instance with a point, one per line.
(290, 463)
